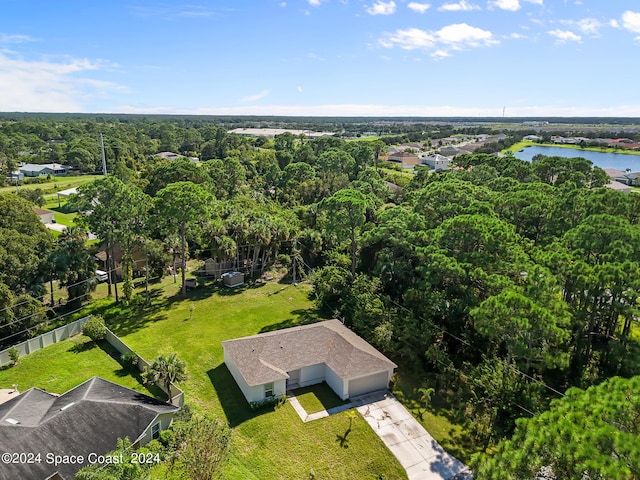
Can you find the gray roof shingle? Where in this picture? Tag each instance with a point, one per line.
(87, 419)
(268, 357)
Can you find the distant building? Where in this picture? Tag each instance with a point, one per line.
(450, 151)
(532, 138)
(46, 216)
(437, 162)
(36, 170)
(272, 132)
(404, 159)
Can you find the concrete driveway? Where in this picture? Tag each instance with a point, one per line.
(421, 456)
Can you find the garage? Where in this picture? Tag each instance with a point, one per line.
(370, 383)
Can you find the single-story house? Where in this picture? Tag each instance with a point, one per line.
(137, 253)
(450, 151)
(269, 364)
(16, 176)
(620, 187)
(532, 138)
(46, 216)
(86, 420)
(35, 170)
(405, 159)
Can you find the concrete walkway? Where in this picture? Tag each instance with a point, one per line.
(7, 394)
(421, 456)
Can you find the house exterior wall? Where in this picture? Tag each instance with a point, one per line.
(252, 394)
(312, 374)
(165, 420)
(336, 383)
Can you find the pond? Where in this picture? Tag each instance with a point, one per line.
(620, 161)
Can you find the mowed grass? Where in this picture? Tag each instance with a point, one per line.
(317, 398)
(60, 367)
(54, 185)
(267, 444)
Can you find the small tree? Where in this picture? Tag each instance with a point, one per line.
(95, 329)
(165, 371)
(425, 397)
(14, 355)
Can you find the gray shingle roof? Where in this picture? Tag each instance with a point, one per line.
(268, 357)
(87, 419)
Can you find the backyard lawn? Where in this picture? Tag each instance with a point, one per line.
(62, 366)
(268, 444)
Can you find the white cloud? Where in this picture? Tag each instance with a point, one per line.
(588, 26)
(51, 85)
(631, 21)
(536, 2)
(382, 8)
(255, 97)
(563, 36)
(12, 38)
(461, 6)
(517, 36)
(440, 54)
(418, 7)
(452, 37)
(461, 34)
(511, 5)
(299, 89)
(409, 39)
(282, 4)
(614, 23)
(315, 3)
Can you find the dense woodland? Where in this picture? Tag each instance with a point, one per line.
(502, 285)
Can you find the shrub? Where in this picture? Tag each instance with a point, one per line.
(129, 359)
(14, 355)
(95, 329)
(275, 402)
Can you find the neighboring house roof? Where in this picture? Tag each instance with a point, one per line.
(614, 172)
(87, 419)
(619, 186)
(267, 357)
(36, 167)
(402, 154)
(40, 211)
(169, 155)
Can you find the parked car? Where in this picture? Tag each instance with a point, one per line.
(102, 276)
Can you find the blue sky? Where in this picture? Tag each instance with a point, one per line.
(322, 57)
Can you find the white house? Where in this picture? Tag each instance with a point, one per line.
(436, 161)
(269, 364)
(35, 169)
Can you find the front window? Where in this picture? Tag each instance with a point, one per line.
(268, 390)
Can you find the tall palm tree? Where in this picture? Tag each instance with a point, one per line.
(166, 370)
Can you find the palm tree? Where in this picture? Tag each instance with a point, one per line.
(165, 371)
(425, 396)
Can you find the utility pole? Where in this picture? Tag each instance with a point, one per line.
(294, 252)
(104, 158)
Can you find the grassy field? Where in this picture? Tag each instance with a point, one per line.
(268, 444)
(62, 366)
(54, 185)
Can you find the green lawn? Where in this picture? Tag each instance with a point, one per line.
(66, 364)
(317, 398)
(55, 184)
(268, 444)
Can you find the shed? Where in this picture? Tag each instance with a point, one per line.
(233, 279)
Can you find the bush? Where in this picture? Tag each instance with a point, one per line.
(95, 329)
(129, 360)
(275, 402)
(14, 355)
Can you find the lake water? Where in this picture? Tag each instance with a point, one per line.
(621, 161)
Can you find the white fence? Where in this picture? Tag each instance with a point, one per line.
(36, 343)
(66, 331)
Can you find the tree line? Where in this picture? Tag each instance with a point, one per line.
(500, 284)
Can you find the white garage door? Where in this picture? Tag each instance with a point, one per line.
(363, 385)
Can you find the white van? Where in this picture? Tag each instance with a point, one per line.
(102, 276)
